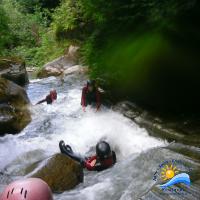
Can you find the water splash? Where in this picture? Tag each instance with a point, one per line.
(64, 120)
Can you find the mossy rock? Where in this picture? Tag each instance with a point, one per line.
(13, 107)
(60, 172)
(14, 69)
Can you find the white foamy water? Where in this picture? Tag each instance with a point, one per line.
(64, 120)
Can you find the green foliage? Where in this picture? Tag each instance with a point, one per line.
(146, 50)
(30, 6)
(136, 45)
(23, 28)
(4, 29)
(49, 49)
(65, 16)
(26, 34)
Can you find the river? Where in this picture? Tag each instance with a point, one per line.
(138, 153)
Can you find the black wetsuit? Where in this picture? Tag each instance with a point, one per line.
(66, 149)
(86, 162)
(90, 98)
(48, 99)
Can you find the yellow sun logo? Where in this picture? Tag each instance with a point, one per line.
(168, 172)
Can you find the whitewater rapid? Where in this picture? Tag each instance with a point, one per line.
(65, 120)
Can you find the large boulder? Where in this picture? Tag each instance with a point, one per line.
(58, 66)
(14, 113)
(76, 69)
(60, 172)
(14, 70)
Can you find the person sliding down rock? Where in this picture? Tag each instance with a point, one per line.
(90, 95)
(49, 98)
(104, 158)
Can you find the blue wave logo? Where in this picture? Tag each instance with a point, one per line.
(180, 178)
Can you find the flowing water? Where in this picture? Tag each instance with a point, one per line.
(138, 154)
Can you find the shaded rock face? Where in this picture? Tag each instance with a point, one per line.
(14, 70)
(58, 66)
(14, 113)
(60, 172)
(182, 129)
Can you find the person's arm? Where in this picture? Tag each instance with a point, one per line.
(90, 163)
(98, 99)
(67, 150)
(114, 157)
(83, 99)
(42, 101)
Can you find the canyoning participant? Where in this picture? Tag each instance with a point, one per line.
(90, 95)
(104, 158)
(29, 189)
(49, 98)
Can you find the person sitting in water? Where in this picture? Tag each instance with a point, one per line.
(104, 158)
(90, 95)
(49, 98)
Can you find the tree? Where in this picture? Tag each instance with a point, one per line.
(5, 35)
(30, 6)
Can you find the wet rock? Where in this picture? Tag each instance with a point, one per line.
(60, 172)
(54, 68)
(14, 70)
(73, 54)
(25, 163)
(14, 113)
(5, 179)
(60, 65)
(75, 69)
(128, 108)
(171, 129)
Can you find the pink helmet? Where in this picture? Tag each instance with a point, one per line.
(28, 189)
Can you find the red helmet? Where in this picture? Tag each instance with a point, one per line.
(28, 189)
(53, 94)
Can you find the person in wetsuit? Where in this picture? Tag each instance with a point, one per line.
(49, 98)
(90, 95)
(104, 158)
